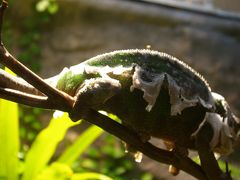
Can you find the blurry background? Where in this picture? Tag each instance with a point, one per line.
(49, 35)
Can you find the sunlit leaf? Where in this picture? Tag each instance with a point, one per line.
(146, 176)
(234, 169)
(89, 175)
(9, 141)
(42, 5)
(55, 171)
(53, 8)
(45, 145)
(47, 5)
(80, 145)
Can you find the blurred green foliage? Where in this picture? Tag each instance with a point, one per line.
(108, 157)
(235, 173)
(50, 6)
(32, 26)
(9, 140)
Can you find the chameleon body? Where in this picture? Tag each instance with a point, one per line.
(153, 93)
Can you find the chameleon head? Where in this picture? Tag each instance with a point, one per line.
(230, 122)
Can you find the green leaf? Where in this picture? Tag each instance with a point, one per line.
(9, 140)
(45, 145)
(50, 5)
(80, 145)
(146, 176)
(234, 169)
(56, 171)
(90, 176)
(42, 5)
(53, 8)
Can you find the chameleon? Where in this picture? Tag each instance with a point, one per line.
(151, 92)
(155, 95)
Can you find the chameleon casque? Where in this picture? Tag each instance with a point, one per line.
(155, 95)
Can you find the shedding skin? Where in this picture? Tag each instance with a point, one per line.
(155, 95)
(152, 88)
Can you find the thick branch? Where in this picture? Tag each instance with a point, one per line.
(147, 148)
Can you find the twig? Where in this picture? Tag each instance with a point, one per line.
(27, 99)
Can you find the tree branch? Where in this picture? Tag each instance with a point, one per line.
(130, 137)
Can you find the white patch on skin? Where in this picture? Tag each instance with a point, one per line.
(208, 105)
(104, 71)
(120, 69)
(217, 96)
(223, 135)
(152, 88)
(78, 69)
(222, 141)
(199, 127)
(177, 100)
(220, 98)
(54, 80)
